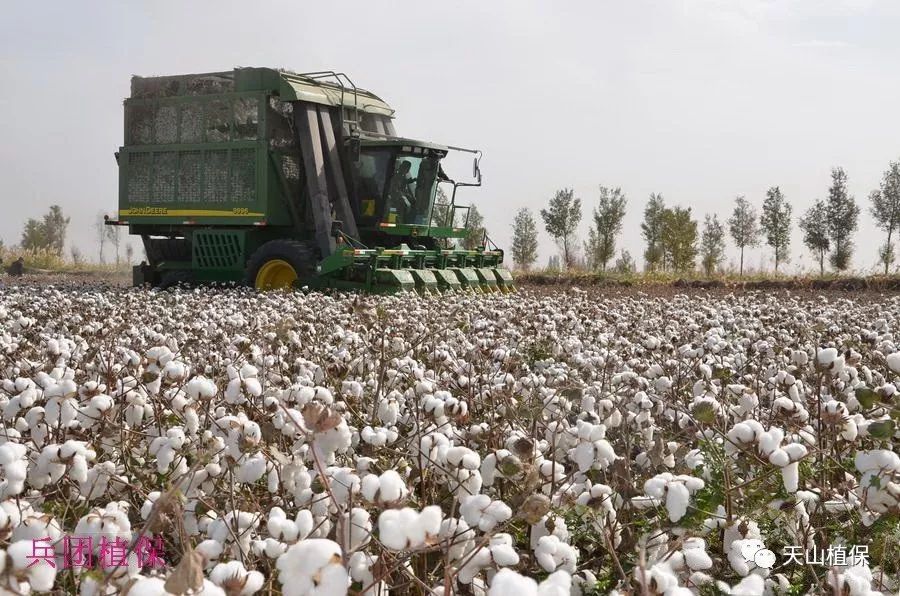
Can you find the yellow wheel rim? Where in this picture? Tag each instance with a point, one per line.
(276, 274)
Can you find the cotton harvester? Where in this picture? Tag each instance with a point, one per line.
(276, 179)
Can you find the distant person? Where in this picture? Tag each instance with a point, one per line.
(17, 269)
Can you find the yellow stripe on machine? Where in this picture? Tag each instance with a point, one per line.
(163, 212)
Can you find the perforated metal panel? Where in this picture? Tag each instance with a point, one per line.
(216, 175)
(140, 172)
(190, 172)
(243, 176)
(165, 165)
(218, 249)
(213, 176)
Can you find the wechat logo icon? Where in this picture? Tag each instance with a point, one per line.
(754, 550)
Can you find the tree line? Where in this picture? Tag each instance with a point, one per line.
(47, 235)
(674, 240)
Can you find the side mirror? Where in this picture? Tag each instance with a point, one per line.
(355, 148)
(337, 228)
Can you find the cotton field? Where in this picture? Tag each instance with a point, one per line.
(227, 442)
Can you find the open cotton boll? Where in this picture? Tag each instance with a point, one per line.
(200, 388)
(109, 523)
(695, 555)
(165, 448)
(675, 489)
(507, 581)
(552, 554)
(480, 510)
(234, 578)
(403, 529)
(389, 487)
(752, 585)
(357, 529)
(463, 457)
(826, 356)
(854, 581)
(40, 576)
(312, 567)
(893, 362)
(14, 466)
(677, 499)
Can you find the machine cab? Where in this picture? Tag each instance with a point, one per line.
(396, 182)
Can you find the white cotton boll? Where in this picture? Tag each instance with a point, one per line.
(558, 583)
(796, 451)
(502, 551)
(200, 389)
(388, 411)
(369, 487)
(391, 487)
(463, 457)
(770, 440)
(233, 393)
(779, 457)
(147, 586)
(40, 576)
(175, 371)
(583, 456)
(251, 469)
(391, 530)
(752, 585)
(677, 499)
(312, 566)
(790, 475)
(235, 579)
(660, 574)
(401, 529)
(893, 362)
(357, 526)
(507, 582)
(695, 556)
(553, 554)
(877, 459)
(479, 510)
(15, 469)
(826, 356)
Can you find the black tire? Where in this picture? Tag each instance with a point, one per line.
(300, 255)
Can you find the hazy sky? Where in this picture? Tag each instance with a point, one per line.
(700, 100)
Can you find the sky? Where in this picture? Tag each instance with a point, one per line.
(700, 100)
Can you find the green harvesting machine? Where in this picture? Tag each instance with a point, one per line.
(277, 179)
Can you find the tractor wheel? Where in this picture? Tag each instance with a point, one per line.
(278, 264)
